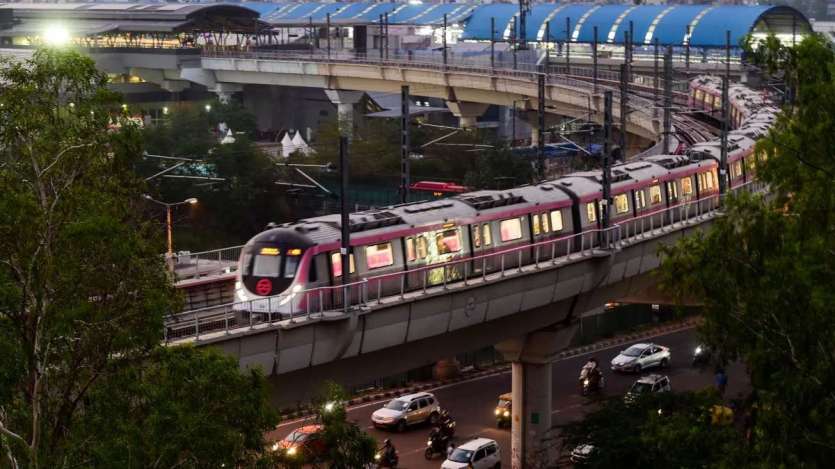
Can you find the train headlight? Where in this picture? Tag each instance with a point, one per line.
(506, 413)
(291, 451)
(498, 411)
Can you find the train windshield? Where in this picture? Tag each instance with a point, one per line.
(266, 266)
(290, 266)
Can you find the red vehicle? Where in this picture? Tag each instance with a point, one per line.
(302, 444)
(438, 189)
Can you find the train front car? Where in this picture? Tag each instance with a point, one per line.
(272, 272)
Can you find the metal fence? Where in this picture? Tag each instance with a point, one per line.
(195, 265)
(433, 279)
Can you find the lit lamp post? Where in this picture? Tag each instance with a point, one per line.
(168, 221)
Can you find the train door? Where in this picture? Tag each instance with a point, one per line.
(481, 236)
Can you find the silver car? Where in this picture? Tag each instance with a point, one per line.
(407, 410)
(640, 357)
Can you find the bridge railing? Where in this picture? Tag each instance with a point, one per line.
(195, 265)
(576, 77)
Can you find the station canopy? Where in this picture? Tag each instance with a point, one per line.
(676, 25)
(22, 19)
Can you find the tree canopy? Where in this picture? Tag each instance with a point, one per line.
(766, 272)
(83, 292)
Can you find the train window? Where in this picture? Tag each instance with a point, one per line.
(291, 263)
(410, 249)
(379, 255)
(486, 234)
(266, 266)
(544, 221)
(246, 264)
(621, 203)
(421, 247)
(336, 264)
(476, 236)
(736, 169)
(672, 190)
(655, 194)
(510, 229)
(448, 241)
(640, 199)
(536, 229)
(686, 186)
(556, 220)
(590, 211)
(710, 177)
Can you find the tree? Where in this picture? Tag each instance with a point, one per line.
(348, 446)
(83, 289)
(656, 430)
(766, 270)
(499, 169)
(183, 406)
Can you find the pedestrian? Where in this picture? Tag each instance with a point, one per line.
(721, 380)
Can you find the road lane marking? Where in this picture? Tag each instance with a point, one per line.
(479, 378)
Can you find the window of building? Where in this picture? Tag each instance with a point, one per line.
(448, 241)
(336, 264)
(510, 229)
(687, 186)
(655, 194)
(640, 199)
(486, 234)
(621, 203)
(556, 220)
(379, 255)
(591, 213)
(536, 229)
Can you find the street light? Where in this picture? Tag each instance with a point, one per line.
(168, 206)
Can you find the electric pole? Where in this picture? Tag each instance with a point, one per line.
(345, 221)
(540, 149)
(723, 155)
(404, 143)
(607, 164)
(668, 98)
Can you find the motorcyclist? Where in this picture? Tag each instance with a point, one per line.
(388, 454)
(446, 424)
(591, 371)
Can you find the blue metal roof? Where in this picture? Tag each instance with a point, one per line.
(667, 23)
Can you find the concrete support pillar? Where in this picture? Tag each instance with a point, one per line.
(531, 357)
(345, 101)
(466, 112)
(534, 132)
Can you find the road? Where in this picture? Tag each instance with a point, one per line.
(472, 402)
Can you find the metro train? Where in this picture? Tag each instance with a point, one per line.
(297, 266)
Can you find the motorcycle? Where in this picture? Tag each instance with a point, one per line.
(592, 382)
(447, 427)
(384, 460)
(438, 443)
(701, 355)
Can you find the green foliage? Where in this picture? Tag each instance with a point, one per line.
(498, 169)
(348, 446)
(183, 406)
(766, 271)
(229, 211)
(656, 430)
(83, 291)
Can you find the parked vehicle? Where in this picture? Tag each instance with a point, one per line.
(404, 411)
(640, 357)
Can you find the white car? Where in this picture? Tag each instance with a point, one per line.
(407, 410)
(480, 453)
(640, 357)
(647, 385)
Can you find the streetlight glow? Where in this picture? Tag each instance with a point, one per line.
(56, 35)
(191, 200)
(208, 107)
